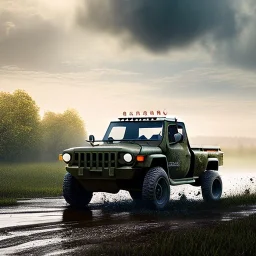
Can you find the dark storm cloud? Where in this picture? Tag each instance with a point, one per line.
(225, 28)
(160, 25)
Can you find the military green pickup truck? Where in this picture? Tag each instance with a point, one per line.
(145, 156)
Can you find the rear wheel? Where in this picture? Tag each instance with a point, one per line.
(211, 185)
(74, 193)
(156, 188)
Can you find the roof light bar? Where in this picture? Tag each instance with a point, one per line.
(146, 116)
(139, 118)
(150, 113)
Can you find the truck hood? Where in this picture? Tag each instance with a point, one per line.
(118, 147)
(148, 150)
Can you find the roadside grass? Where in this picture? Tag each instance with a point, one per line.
(224, 203)
(242, 199)
(237, 237)
(30, 180)
(191, 207)
(7, 201)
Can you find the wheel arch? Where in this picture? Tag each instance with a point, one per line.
(212, 164)
(156, 160)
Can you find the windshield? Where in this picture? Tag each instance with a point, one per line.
(132, 130)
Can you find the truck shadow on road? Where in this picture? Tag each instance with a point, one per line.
(128, 211)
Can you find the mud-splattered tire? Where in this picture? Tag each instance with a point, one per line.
(211, 185)
(136, 195)
(74, 193)
(156, 188)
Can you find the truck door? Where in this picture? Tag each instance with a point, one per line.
(178, 154)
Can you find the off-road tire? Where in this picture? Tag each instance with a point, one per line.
(156, 188)
(74, 193)
(211, 185)
(136, 195)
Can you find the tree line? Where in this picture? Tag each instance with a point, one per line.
(24, 136)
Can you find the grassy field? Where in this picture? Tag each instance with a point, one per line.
(30, 181)
(237, 237)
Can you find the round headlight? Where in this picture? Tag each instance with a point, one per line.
(66, 157)
(127, 158)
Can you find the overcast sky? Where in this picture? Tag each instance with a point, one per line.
(194, 58)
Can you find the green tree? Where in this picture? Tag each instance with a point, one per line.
(19, 126)
(61, 131)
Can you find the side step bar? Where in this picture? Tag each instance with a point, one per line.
(182, 181)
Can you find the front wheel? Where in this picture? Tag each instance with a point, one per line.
(211, 185)
(156, 188)
(74, 193)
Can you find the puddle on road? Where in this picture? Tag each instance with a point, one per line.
(25, 219)
(18, 234)
(33, 244)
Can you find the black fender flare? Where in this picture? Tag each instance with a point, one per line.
(161, 157)
(212, 164)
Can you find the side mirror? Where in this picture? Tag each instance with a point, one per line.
(110, 139)
(178, 137)
(91, 138)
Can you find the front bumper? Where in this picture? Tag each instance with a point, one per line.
(122, 173)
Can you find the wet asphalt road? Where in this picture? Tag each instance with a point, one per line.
(49, 227)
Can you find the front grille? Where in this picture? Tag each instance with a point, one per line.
(96, 160)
